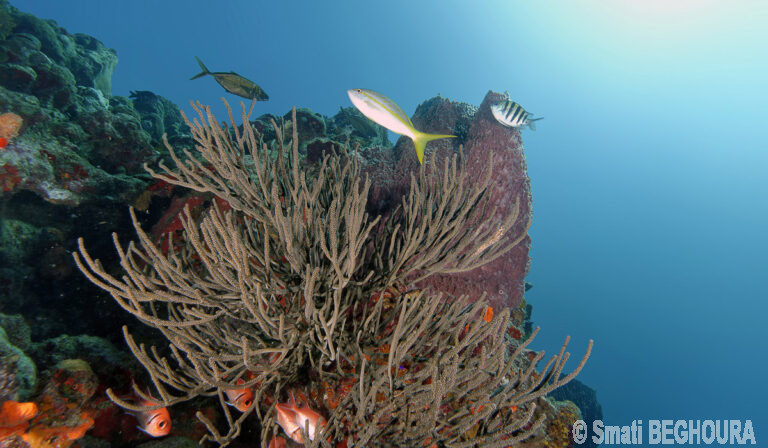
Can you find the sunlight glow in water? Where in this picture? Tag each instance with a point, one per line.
(649, 22)
(671, 10)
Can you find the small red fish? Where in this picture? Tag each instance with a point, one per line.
(488, 316)
(3, 142)
(277, 442)
(292, 418)
(286, 418)
(240, 399)
(156, 423)
(304, 414)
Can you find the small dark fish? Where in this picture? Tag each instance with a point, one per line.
(142, 95)
(234, 83)
(513, 115)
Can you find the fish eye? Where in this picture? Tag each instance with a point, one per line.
(162, 424)
(248, 402)
(359, 90)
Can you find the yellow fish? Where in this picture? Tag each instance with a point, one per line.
(385, 112)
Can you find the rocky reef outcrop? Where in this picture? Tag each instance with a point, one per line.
(73, 165)
(64, 379)
(159, 116)
(18, 378)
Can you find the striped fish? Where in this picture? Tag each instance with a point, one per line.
(386, 113)
(513, 115)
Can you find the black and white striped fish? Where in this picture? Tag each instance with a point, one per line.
(513, 115)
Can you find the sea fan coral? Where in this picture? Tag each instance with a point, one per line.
(287, 286)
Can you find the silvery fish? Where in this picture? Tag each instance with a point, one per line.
(513, 115)
(385, 112)
(234, 83)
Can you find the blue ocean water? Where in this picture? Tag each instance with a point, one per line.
(649, 172)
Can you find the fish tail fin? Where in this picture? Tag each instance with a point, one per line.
(532, 124)
(204, 69)
(421, 140)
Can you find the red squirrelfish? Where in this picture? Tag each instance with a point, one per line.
(292, 418)
(277, 442)
(156, 423)
(240, 399)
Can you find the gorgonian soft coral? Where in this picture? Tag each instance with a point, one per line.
(293, 289)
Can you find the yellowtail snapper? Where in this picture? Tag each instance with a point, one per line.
(234, 83)
(513, 115)
(386, 113)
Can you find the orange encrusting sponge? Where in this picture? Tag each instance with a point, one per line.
(10, 124)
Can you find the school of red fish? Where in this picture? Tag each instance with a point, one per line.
(291, 416)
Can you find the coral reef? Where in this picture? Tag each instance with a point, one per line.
(17, 330)
(159, 116)
(7, 22)
(350, 124)
(106, 359)
(72, 163)
(21, 376)
(9, 383)
(171, 442)
(10, 124)
(88, 63)
(293, 287)
(585, 399)
(60, 85)
(76, 163)
(61, 414)
(75, 158)
(558, 429)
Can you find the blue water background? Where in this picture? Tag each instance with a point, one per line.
(649, 172)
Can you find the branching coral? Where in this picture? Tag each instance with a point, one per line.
(292, 287)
